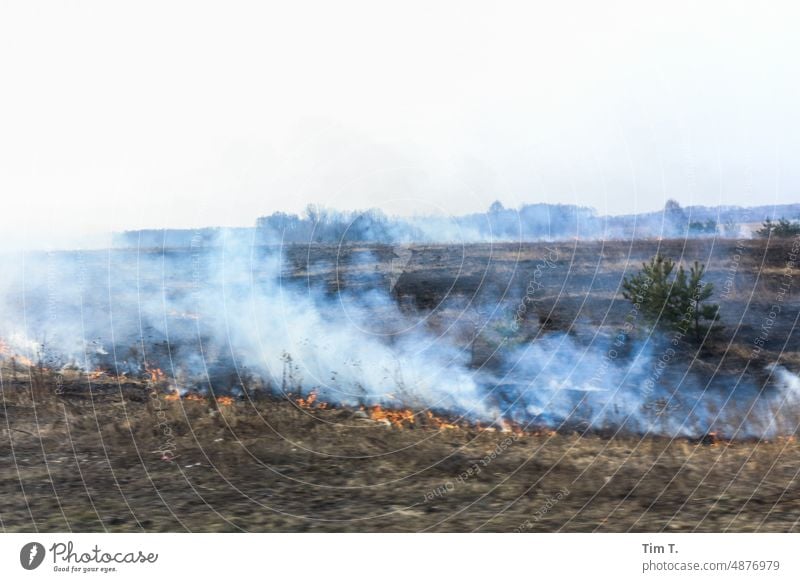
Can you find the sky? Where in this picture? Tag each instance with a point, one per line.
(181, 114)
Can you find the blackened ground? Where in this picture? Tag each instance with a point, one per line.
(86, 464)
(573, 287)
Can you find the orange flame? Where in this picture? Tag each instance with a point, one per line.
(156, 375)
(438, 422)
(307, 402)
(7, 352)
(398, 418)
(311, 401)
(173, 396)
(506, 426)
(24, 361)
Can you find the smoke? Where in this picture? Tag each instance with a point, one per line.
(554, 381)
(234, 317)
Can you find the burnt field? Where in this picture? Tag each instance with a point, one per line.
(396, 388)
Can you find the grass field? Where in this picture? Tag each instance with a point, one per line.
(272, 466)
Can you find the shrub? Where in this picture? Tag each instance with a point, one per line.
(674, 299)
(781, 229)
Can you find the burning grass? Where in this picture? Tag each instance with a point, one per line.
(394, 417)
(44, 383)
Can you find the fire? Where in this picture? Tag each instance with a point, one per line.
(405, 417)
(711, 439)
(398, 418)
(307, 402)
(105, 376)
(311, 401)
(438, 422)
(173, 396)
(24, 361)
(506, 426)
(7, 352)
(156, 374)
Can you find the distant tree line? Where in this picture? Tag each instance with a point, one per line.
(529, 222)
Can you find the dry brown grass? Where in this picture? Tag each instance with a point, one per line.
(90, 465)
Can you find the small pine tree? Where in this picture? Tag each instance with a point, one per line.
(690, 296)
(650, 288)
(766, 228)
(679, 302)
(786, 228)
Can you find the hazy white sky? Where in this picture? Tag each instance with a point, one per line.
(150, 114)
